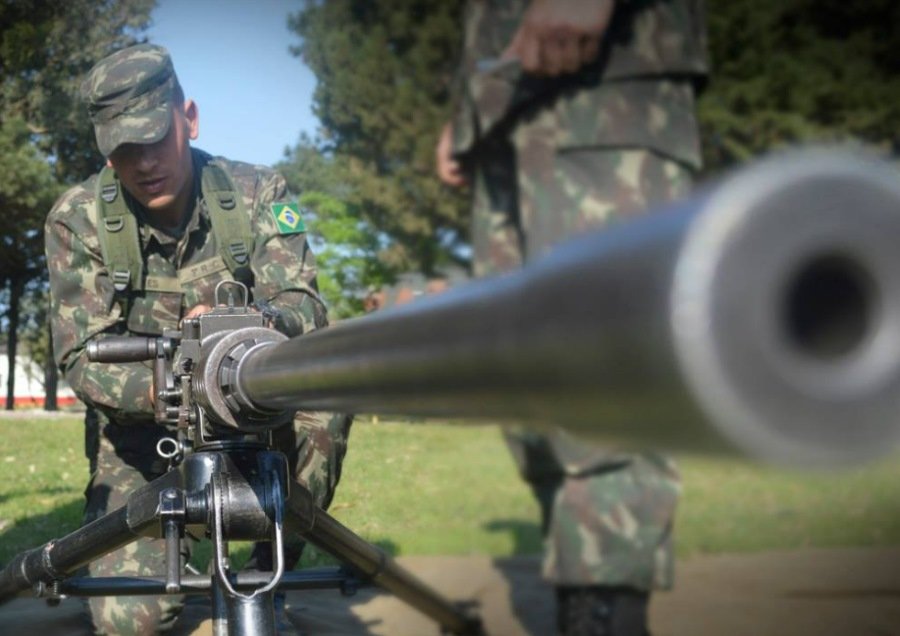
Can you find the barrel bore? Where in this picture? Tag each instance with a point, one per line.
(830, 307)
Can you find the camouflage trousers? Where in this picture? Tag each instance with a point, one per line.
(607, 516)
(123, 459)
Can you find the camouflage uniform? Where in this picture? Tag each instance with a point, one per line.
(553, 157)
(121, 434)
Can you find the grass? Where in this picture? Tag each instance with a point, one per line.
(437, 489)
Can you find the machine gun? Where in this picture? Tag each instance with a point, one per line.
(765, 311)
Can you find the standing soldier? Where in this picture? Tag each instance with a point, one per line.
(140, 246)
(570, 114)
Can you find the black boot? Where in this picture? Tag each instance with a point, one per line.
(601, 611)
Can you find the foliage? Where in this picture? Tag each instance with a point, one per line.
(383, 72)
(345, 244)
(783, 71)
(45, 50)
(46, 139)
(35, 332)
(27, 191)
(800, 70)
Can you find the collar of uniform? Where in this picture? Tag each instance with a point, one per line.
(199, 216)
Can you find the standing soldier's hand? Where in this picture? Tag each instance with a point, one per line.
(449, 170)
(560, 36)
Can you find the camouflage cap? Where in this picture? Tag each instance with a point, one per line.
(129, 95)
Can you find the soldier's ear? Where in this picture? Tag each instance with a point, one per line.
(192, 117)
(108, 163)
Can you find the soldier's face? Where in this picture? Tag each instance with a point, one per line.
(160, 175)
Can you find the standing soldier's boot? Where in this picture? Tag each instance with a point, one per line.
(601, 611)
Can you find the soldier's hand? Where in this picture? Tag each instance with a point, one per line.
(196, 310)
(449, 170)
(560, 36)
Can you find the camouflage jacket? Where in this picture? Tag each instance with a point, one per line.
(83, 303)
(646, 40)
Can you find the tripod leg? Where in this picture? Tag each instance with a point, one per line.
(61, 557)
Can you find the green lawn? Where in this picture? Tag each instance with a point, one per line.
(438, 489)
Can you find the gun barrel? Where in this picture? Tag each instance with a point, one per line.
(768, 306)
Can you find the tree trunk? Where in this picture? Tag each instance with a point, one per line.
(16, 287)
(51, 376)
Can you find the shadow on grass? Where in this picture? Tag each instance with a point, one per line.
(38, 529)
(526, 535)
(532, 600)
(521, 572)
(9, 496)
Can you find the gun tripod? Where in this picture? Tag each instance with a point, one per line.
(232, 490)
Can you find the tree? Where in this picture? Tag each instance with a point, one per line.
(46, 139)
(799, 70)
(26, 192)
(383, 72)
(46, 48)
(345, 244)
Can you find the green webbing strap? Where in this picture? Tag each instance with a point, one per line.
(120, 243)
(230, 223)
(118, 234)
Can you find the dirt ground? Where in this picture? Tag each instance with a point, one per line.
(847, 592)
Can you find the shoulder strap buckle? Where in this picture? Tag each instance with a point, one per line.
(121, 278)
(228, 215)
(239, 252)
(118, 233)
(226, 200)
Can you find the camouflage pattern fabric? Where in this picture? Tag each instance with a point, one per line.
(128, 95)
(607, 516)
(553, 158)
(84, 304)
(647, 39)
(122, 464)
(547, 180)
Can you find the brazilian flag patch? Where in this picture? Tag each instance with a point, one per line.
(287, 218)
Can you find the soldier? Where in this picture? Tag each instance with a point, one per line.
(570, 114)
(140, 246)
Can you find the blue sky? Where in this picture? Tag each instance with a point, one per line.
(232, 58)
